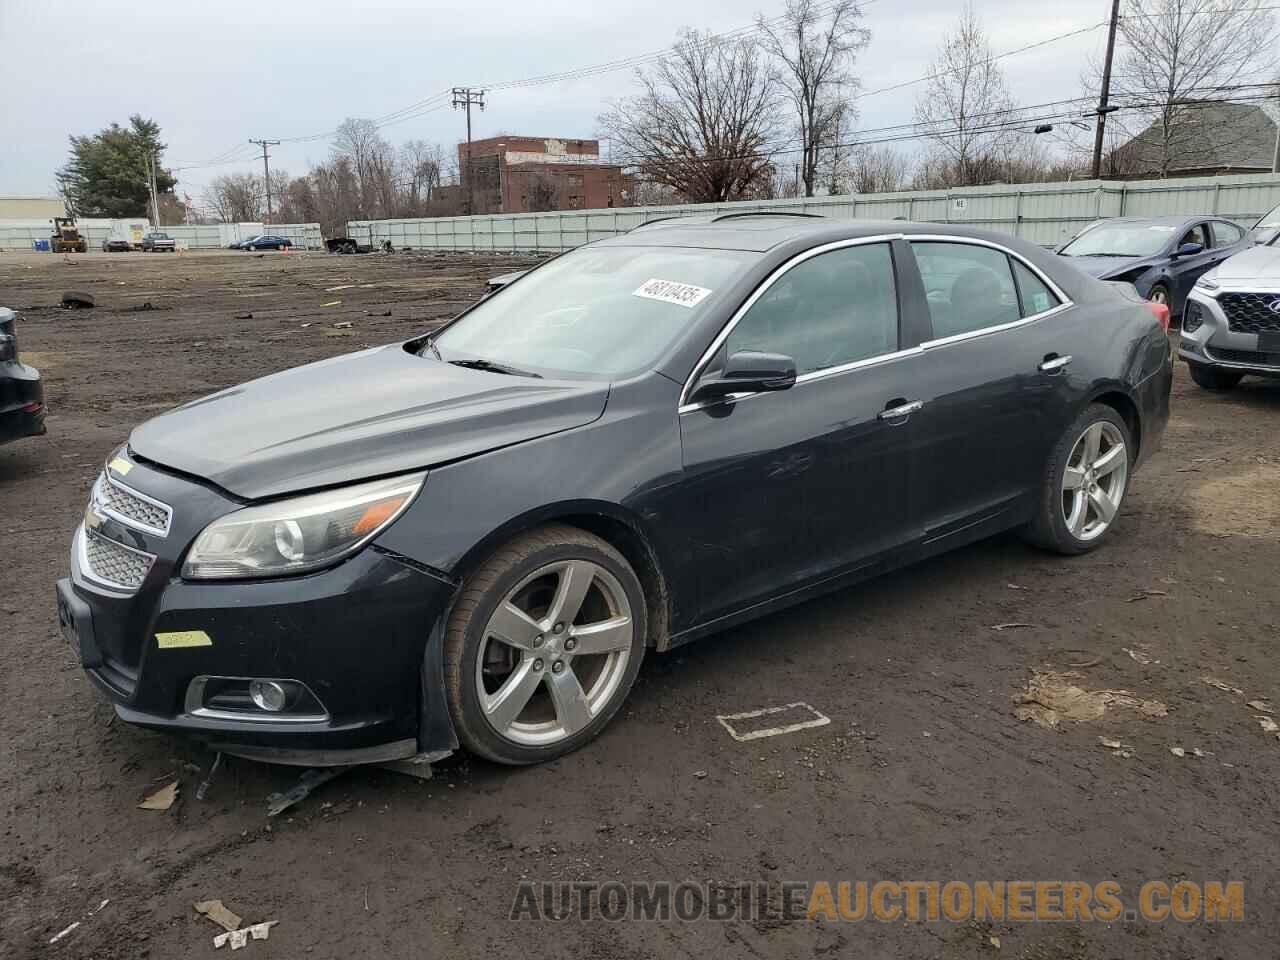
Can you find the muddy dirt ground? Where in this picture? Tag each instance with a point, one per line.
(924, 773)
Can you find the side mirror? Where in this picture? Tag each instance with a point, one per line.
(748, 372)
(1189, 250)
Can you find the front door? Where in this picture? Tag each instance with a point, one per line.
(790, 487)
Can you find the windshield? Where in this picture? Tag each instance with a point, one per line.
(596, 311)
(1267, 230)
(1120, 240)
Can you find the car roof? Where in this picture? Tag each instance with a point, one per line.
(759, 232)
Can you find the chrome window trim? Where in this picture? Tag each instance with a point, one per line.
(101, 507)
(684, 405)
(86, 571)
(1065, 303)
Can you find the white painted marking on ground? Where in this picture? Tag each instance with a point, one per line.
(819, 720)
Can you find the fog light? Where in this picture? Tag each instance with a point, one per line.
(1192, 317)
(268, 695)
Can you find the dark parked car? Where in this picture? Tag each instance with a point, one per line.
(116, 245)
(158, 243)
(475, 536)
(1232, 324)
(266, 243)
(21, 393)
(1161, 256)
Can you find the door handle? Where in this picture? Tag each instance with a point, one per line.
(1053, 364)
(903, 410)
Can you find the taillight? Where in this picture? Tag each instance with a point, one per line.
(1161, 311)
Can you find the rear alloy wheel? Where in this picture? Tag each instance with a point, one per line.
(1214, 378)
(1084, 483)
(543, 646)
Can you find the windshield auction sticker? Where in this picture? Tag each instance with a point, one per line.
(669, 291)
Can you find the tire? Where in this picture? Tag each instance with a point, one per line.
(1057, 526)
(1214, 378)
(480, 692)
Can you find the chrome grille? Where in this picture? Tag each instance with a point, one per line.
(114, 564)
(128, 506)
(1251, 312)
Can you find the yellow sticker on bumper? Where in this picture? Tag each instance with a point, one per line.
(121, 466)
(183, 638)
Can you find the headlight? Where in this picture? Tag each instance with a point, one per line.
(294, 536)
(1192, 317)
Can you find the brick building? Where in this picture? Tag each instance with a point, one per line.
(527, 174)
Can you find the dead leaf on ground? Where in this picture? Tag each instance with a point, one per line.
(1051, 698)
(218, 913)
(162, 799)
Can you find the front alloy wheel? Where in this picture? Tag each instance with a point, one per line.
(543, 646)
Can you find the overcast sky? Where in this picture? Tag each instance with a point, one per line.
(213, 73)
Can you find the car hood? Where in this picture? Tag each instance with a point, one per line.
(1105, 267)
(369, 414)
(1255, 263)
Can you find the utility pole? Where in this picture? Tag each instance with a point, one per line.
(1103, 109)
(155, 199)
(467, 98)
(266, 169)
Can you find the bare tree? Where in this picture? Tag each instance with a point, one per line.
(236, 197)
(815, 46)
(876, 169)
(420, 170)
(704, 121)
(966, 108)
(1176, 52)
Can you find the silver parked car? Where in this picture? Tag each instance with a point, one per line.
(1231, 325)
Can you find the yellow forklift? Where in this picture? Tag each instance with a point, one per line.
(66, 238)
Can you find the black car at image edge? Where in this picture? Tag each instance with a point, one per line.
(474, 537)
(22, 409)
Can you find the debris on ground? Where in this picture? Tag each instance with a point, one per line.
(216, 911)
(1051, 698)
(332, 303)
(1260, 705)
(208, 781)
(1010, 626)
(1117, 748)
(162, 799)
(1178, 752)
(1148, 593)
(1140, 657)
(1221, 685)
(62, 933)
(78, 300)
(700, 774)
(1267, 724)
(239, 938)
(343, 325)
(341, 286)
(277, 803)
(244, 316)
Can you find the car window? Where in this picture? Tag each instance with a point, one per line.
(969, 287)
(1127, 239)
(1197, 234)
(835, 308)
(1225, 234)
(1267, 229)
(1033, 294)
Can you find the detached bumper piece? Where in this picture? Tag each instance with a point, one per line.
(22, 407)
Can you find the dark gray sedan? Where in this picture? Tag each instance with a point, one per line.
(474, 537)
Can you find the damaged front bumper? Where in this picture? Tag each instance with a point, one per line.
(342, 651)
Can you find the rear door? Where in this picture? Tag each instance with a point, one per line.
(997, 368)
(785, 489)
